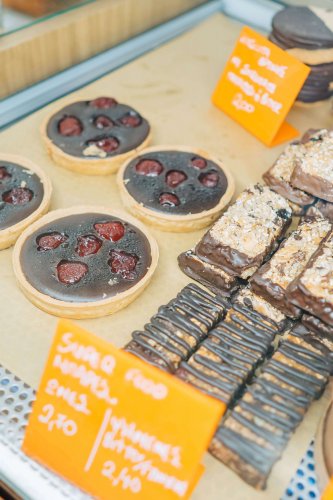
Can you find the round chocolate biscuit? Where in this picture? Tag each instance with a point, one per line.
(171, 187)
(301, 27)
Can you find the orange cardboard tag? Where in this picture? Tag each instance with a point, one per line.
(259, 85)
(328, 493)
(116, 426)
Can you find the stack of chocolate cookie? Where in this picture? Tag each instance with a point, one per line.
(303, 174)
(307, 34)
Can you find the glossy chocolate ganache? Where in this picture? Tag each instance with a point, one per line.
(21, 193)
(85, 257)
(98, 128)
(175, 182)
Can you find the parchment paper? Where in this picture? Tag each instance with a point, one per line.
(171, 86)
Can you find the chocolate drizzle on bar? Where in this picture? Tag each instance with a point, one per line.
(226, 360)
(98, 128)
(21, 193)
(174, 333)
(175, 182)
(253, 436)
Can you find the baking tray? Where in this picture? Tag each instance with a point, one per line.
(171, 86)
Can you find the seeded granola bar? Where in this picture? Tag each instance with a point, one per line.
(273, 278)
(313, 172)
(279, 175)
(323, 208)
(247, 232)
(313, 289)
(254, 302)
(212, 276)
(318, 327)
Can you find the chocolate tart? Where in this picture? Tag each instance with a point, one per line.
(175, 188)
(25, 195)
(94, 137)
(84, 262)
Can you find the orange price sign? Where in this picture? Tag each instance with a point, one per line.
(259, 85)
(328, 493)
(115, 426)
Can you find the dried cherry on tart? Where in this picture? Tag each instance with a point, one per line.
(199, 163)
(209, 179)
(107, 144)
(50, 241)
(71, 272)
(70, 126)
(151, 168)
(131, 119)
(103, 102)
(169, 200)
(88, 244)
(174, 177)
(4, 174)
(102, 121)
(17, 196)
(112, 230)
(123, 263)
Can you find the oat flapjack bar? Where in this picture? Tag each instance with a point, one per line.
(210, 275)
(176, 330)
(247, 232)
(226, 360)
(279, 175)
(318, 327)
(313, 172)
(313, 289)
(254, 302)
(272, 279)
(322, 208)
(253, 436)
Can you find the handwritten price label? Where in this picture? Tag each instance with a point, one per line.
(116, 426)
(328, 493)
(258, 87)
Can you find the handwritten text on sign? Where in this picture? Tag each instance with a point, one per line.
(107, 421)
(258, 87)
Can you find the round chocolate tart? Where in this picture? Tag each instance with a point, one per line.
(175, 188)
(25, 195)
(84, 262)
(95, 137)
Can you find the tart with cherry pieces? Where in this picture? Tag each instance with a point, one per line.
(175, 188)
(95, 137)
(84, 262)
(25, 195)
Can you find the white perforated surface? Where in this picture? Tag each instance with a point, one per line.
(33, 481)
(303, 486)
